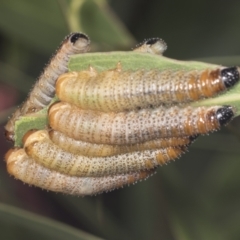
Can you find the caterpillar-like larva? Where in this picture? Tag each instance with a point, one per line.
(41, 149)
(102, 150)
(44, 89)
(117, 90)
(25, 169)
(152, 45)
(136, 126)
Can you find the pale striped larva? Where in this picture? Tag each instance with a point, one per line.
(136, 126)
(44, 89)
(27, 170)
(102, 150)
(117, 90)
(41, 149)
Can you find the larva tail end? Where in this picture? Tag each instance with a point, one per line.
(34, 136)
(62, 80)
(11, 157)
(10, 153)
(230, 76)
(55, 107)
(27, 135)
(225, 115)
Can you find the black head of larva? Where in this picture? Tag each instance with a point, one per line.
(224, 115)
(75, 36)
(230, 76)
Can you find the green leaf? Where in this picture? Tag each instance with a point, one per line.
(131, 61)
(28, 122)
(32, 121)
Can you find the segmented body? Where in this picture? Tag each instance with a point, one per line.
(135, 126)
(117, 90)
(39, 147)
(44, 89)
(102, 150)
(28, 171)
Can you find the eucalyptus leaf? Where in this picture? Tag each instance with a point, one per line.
(131, 61)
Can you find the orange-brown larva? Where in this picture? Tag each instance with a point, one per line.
(102, 150)
(44, 89)
(136, 126)
(41, 149)
(27, 170)
(117, 90)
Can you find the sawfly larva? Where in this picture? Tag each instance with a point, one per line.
(117, 90)
(25, 169)
(152, 45)
(41, 149)
(44, 89)
(136, 126)
(102, 150)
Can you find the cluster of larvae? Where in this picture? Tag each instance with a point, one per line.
(115, 127)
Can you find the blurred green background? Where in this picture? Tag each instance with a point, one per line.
(196, 197)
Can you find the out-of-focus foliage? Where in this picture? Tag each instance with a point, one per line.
(29, 225)
(196, 197)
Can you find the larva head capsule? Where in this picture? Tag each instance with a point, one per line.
(225, 115)
(79, 41)
(152, 45)
(230, 76)
(75, 36)
(12, 156)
